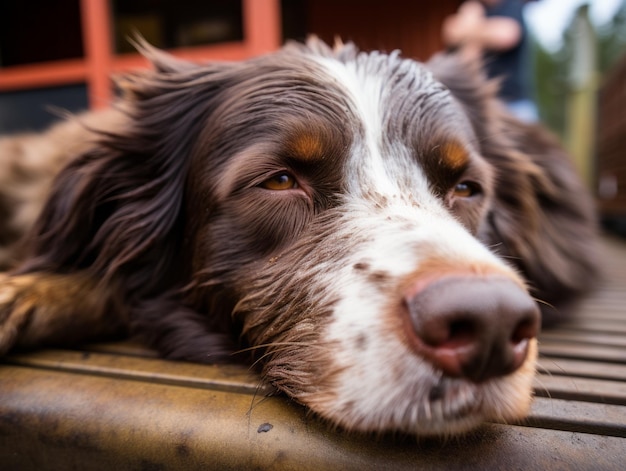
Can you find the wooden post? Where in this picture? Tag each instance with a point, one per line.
(97, 40)
(262, 26)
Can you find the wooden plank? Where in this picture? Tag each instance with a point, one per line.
(577, 416)
(577, 337)
(587, 352)
(98, 45)
(590, 324)
(612, 298)
(581, 389)
(103, 423)
(240, 380)
(47, 74)
(582, 368)
(262, 25)
(232, 378)
(603, 312)
(132, 347)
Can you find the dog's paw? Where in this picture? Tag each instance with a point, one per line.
(43, 308)
(16, 309)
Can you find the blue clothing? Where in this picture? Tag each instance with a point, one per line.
(524, 110)
(513, 66)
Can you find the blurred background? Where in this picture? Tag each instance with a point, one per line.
(59, 55)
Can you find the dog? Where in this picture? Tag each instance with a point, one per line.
(379, 233)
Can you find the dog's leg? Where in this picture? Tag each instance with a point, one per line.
(52, 309)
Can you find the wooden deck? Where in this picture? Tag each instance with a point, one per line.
(116, 406)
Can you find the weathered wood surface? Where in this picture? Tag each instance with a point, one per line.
(116, 406)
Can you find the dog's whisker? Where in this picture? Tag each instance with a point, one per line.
(279, 344)
(271, 353)
(543, 387)
(544, 302)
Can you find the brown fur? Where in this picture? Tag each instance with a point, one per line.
(543, 218)
(29, 164)
(158, 222)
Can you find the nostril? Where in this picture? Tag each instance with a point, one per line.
(520, 352)
(440, 332)
(463, 331)
(526, 329)
(444, 333)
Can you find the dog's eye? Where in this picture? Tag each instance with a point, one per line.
(280, 181)
(466, 189)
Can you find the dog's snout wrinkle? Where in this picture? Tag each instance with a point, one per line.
(473, 327)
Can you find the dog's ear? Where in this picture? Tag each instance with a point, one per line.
(117, 207)
(542, 218)
(116, 217)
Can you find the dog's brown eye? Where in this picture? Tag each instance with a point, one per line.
(281, 181)
(466, 189)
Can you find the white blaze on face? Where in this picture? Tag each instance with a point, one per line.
(378, 166)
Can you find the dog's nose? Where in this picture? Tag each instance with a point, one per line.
(474, 327)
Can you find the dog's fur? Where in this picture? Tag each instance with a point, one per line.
(180, 219)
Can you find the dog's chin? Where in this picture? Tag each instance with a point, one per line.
(428, 405)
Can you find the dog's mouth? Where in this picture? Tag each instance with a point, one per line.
(456, 405)
(450, 406)
(420, 400)
(451, 400)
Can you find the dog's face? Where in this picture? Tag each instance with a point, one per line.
(337, 202)
(336, 214)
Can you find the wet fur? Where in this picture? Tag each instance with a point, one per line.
(159, 222)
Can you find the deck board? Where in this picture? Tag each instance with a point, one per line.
(115, 405)
(582, 369)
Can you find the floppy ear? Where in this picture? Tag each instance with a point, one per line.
(117, 206)
(116, 212)
(542, 219)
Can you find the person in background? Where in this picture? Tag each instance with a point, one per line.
(495, 29)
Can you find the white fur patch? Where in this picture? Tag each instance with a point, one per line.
(383, 384)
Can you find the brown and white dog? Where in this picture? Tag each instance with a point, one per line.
(374, 229)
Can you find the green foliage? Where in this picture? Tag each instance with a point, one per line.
(612, 40)
(551, 68)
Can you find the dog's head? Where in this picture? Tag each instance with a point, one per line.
(339, 213)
